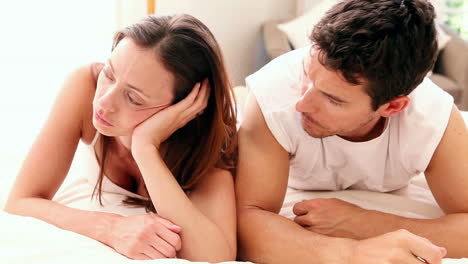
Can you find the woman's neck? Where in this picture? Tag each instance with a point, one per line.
(123, 146)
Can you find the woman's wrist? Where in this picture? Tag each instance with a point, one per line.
(143, 150)
(104, 226)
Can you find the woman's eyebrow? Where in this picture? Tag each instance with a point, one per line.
(129, 85)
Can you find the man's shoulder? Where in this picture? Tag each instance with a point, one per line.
(418, 129)
(428, 103)
(277, 85)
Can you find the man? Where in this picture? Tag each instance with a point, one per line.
(344, 113)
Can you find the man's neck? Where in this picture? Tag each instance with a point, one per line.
(373, 129)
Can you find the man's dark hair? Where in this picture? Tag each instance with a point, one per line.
(391, 44)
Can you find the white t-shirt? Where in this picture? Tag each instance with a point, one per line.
(385, 163)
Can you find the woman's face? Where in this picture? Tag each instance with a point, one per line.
(132, 86)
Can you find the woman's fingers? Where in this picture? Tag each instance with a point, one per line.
(205, 93)
(153, 252)
(192, 105)
(187, 102)
(141, 256)
(173, 227)
(170, 237)
(167, 231)
(200, 102)
(162, 247)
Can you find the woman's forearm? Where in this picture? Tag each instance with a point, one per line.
(95, 225)
(202, 239)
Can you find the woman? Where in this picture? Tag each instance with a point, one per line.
(160, 119)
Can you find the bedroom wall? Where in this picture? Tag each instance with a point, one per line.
(42, 41)
(237, 27)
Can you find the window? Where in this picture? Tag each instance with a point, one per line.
(456, 16)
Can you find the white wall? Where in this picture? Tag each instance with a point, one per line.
(237, 27)
(440, 8)
(130, 11)
(41, 42)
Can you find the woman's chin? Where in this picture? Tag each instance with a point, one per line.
(106, 131)
(111, 131)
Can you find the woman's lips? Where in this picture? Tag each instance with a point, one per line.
(102, 120)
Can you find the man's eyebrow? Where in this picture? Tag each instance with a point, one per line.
(335, 98)
(339, 100)
(129, 85)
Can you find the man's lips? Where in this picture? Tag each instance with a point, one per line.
(309, 121)
(102, 120)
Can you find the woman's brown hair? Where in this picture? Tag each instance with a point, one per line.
(188, 49)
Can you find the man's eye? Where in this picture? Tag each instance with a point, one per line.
(332, 101)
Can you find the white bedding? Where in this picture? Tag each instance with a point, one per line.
(28, 240)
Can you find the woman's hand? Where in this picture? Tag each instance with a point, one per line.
(145, 237)
(161, 125)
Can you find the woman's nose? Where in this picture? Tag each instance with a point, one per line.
(107, 100)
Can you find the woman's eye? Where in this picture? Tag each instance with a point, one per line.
(108, 76)
(132, 101)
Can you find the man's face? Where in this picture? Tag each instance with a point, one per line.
(331, 106)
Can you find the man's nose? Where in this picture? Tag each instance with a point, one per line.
(306, 103)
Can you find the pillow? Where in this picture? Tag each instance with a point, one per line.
(442, 37)
(442, 40)
(299, 29)
(465, 116)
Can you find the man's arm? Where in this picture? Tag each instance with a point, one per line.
(266, 237)
(447, 176)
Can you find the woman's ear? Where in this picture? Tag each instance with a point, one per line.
(393, 107)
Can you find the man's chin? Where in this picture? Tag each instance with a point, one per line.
(317, 134)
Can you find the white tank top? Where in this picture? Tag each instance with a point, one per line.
(83, 176)
(385, 163)
(93, 175)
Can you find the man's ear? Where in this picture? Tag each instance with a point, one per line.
(395, 106)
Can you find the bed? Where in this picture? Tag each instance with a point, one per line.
(28, 240)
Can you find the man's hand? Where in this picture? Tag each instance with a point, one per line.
(396, 247)
(331, 217)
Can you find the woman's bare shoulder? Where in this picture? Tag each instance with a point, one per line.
(81, 85)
